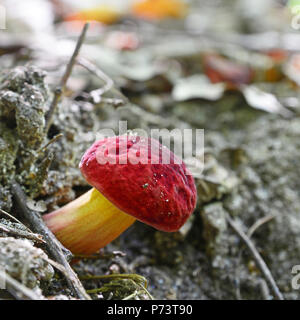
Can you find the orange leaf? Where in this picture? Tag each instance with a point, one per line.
(103, 14)
(278, 57)
(159, 9)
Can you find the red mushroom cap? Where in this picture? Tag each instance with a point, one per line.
(157, 193)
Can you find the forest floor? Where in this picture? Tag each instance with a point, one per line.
(248, 105)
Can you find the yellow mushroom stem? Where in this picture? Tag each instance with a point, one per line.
(88, 223)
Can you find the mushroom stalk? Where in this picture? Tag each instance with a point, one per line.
(88, 223)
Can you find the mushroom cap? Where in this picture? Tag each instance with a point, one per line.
(140, 182)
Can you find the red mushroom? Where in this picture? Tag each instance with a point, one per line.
(132, 179)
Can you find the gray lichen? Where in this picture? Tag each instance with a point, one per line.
(8, 153)
(24, 262)
(214, 227)
(23, 104)
(23, 98)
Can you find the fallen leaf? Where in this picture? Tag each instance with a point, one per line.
(274, 73)
(197, 86)
(262, 100)
(104, 14)
(219, 69)
(277, 55)
(159, 9)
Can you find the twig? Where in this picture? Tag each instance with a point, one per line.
(257, 257)
(54, 139)
(25, 234)
(21, 233)
(13, 218)
(133, 295)
(57, 265)
(17, 289)
(107, 256)
(59, 90)
(250, 232)
(264, 289)
(148, 293)
(3, 228)
(136, 293)
(108, 82)
(258, 224)
(55, 248)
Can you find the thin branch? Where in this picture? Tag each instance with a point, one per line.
(107, 256)
(3, 228)
(148, 293)
(108, 82)
(258, 224)
(21, 233)
(54, 139)
(17, 289)
(257, 257)
(264, 289)
(57, 265)
(133, 295)
(13, 218)
(55, 248)
(59, 90)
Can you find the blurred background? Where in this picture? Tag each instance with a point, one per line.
(229, 67)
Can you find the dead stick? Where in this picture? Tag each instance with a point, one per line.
(108, 82)
(54, 139)
(258, 259)
(13, 218)
(59, 90)
(21, 233)
(258, 224)
(17, 289)
(55, 248)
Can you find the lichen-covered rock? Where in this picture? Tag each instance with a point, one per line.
(8, 152)
(216, 181)
(23, 98)
(17, 77)
(214, 227)
(5, 198)
(24, 262)
(23, 104)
